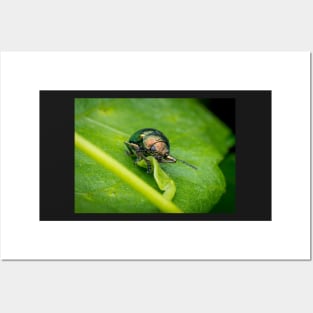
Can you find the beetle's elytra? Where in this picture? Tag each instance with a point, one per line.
(151, 142)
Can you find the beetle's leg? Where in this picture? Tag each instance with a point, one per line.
(135, 149)
(141, 156)
(149, 166)
(131, 147)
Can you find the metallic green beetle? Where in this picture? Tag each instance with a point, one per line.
(151, 142)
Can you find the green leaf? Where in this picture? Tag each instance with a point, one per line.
(195, 135)
(228, 201)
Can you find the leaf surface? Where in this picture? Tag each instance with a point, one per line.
(228, 200)
(195, 134)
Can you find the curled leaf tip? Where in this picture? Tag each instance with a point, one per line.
(164, 182)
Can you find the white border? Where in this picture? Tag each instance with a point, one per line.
(23, 74)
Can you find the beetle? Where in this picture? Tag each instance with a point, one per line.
(151, 142)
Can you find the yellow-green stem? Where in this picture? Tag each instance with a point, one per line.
(126, 175)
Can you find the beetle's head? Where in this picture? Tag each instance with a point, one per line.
(160, 151)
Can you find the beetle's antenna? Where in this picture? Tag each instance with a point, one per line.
(194, 167)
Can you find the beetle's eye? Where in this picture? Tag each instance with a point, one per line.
(153, 148)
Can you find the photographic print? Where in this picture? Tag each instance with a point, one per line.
(153, 155)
